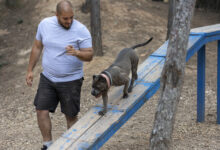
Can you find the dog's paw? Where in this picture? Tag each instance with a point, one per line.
(102, 113)
(125, 95)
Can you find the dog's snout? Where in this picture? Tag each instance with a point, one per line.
(93, 92)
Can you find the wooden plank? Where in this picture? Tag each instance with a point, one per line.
(96, 131)
(206, 29)
(193, 39)
(117, 113)
(161, 52)
(194, 44)
(148, 65)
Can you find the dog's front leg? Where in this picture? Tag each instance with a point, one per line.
(105, 103)
(125, 91)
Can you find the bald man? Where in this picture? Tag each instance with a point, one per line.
(66, 43)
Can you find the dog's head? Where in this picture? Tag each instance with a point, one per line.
(99, 85)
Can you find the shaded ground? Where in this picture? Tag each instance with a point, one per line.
(124, 24)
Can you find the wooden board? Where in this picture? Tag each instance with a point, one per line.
(207, 29)
(193, 40)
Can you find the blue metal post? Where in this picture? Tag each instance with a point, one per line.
(218, 85)
(201, 85)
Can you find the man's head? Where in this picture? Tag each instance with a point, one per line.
(64, 13)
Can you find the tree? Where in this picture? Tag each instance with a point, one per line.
(93, 6)
(172, 76)
(86, 6)
(96, 27)
(172, 12)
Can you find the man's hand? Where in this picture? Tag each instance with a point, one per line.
(71, 51)
(84, 54)
(29, 78)
(35, 55)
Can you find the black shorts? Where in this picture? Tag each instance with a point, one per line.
(49, 94)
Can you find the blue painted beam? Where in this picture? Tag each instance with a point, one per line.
(196, 41)
(218, 84)
(201, 85)
(212, 38)
(129, 113)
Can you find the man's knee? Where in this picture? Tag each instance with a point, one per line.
(71, 120)
(42, 113)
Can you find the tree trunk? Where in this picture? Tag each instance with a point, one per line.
(171, 14)
(96, 27)
(86, 6)
(172, 76)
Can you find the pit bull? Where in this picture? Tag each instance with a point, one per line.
(117, 74)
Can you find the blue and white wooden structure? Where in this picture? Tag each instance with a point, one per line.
(92, 130)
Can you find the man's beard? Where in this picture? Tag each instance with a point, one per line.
(67, 28)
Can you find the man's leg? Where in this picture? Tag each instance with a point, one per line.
(71, 120)
(44, 124)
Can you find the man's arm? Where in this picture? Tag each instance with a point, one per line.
(34, 57)
(84, 54)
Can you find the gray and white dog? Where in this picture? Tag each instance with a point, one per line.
(117, 74)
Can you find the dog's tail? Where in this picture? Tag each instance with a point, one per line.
(142, 44)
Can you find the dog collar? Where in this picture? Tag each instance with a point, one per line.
(108, 78)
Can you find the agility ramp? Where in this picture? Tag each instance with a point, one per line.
(93, 130)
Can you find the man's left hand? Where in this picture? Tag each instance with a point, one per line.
(71, 51)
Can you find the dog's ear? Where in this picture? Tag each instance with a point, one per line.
(96, 78)
(102, 79)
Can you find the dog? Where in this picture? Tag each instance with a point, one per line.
(117, 74)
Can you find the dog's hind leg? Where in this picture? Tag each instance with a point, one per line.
(134, 67)
(125, 91)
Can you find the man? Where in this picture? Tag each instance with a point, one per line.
(66, 43)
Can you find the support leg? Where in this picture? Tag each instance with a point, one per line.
(201, 85)
(218, 85)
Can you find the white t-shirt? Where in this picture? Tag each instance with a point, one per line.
(57, 65)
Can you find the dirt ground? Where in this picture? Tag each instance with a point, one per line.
(124, 23)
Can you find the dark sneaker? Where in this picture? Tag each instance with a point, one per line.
(44, 147)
